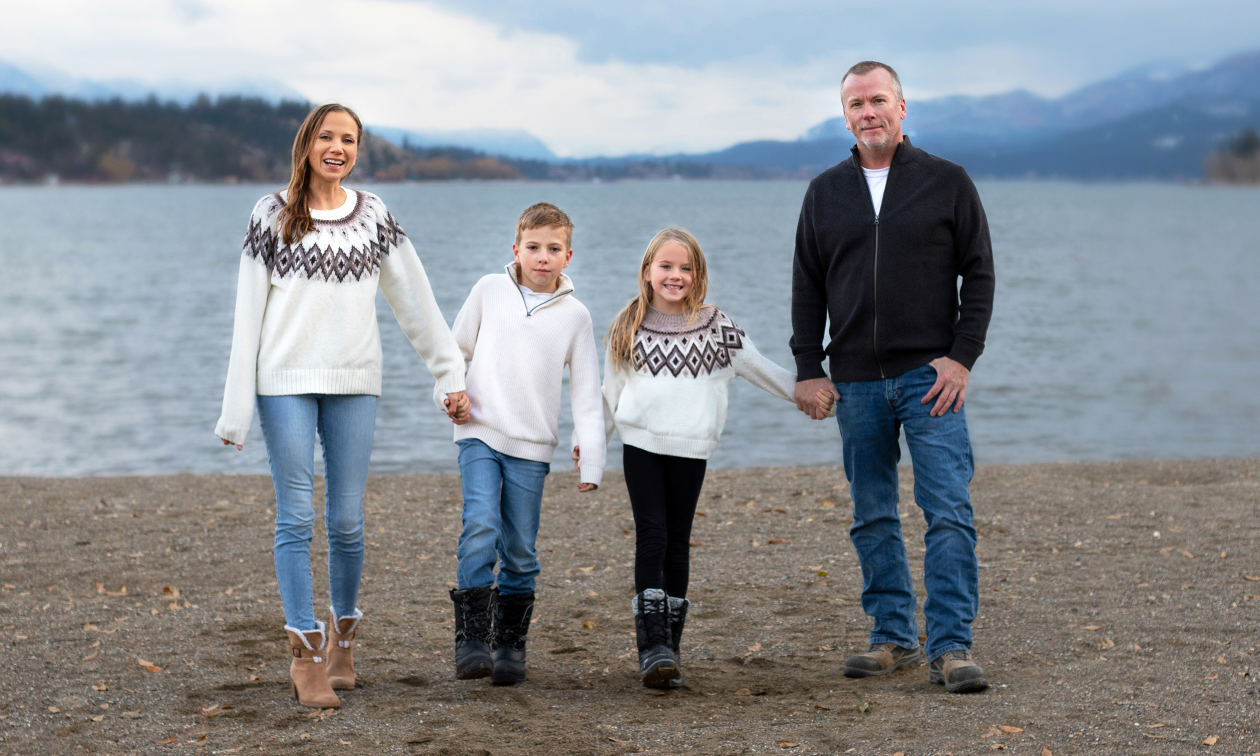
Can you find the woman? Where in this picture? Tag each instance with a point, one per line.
(306, 351)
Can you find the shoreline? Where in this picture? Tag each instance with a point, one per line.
(1088, 621)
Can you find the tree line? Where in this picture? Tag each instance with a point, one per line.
(1238, 162)
(227, 139)
(239, 139)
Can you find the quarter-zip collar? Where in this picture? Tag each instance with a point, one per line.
(565, 288)
(905, 153)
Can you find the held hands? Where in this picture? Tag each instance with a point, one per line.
(577, 457)
(950, 387)
(458, 407)
(810, 395)
(826, 402)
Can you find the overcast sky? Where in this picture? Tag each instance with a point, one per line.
(596, 77)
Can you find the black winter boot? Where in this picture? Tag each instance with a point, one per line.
(511, 625)
(657, 666)
(474, 611)
(677, 620)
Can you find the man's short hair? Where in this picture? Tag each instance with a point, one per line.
(866, 66)
(543, 215)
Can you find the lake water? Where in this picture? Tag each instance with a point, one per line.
(1126, 322)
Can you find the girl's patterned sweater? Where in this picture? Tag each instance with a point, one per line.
(672, 399)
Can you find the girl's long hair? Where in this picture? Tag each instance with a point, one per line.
(295, 218)
(619, 341)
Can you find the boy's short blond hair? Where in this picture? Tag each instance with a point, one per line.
(544, 215)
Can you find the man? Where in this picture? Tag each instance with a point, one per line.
(883, 239)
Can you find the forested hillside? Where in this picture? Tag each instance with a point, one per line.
(228, 139)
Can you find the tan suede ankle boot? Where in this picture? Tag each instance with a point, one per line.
(341, 650)
(310, 678)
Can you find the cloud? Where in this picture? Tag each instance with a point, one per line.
(421, 66)
(601, 78)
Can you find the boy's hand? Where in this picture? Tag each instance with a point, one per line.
(458, 407)
(229, 443)
(577, 457)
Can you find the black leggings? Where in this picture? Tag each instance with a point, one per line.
(663, 494)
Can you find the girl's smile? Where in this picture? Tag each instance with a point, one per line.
(670, 277)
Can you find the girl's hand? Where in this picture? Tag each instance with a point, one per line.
(826, 402)
(229, 443)
(577, 457)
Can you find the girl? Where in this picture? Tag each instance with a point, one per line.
(670, 359)
(306, 351)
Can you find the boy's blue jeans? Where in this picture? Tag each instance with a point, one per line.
(871, 415)
(345, 425)
(502, 501)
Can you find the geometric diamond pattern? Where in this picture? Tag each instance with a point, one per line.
(701, 351)
(362, 239)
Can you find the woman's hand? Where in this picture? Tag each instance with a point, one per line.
(458, 407)
(577, 457)
(229, 443)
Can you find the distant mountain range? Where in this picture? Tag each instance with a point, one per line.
(1158, 121)
(16, 81)
(514, 143)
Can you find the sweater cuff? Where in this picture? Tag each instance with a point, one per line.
(591, 474)
(449, 384)
(964, 354)
(809, 367)
(232, 435)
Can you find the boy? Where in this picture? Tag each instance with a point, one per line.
(517, 331)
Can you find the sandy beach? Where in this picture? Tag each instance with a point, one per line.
(1120, 604)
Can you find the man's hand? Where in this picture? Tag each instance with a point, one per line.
(950, 387)
(577, 457)
(458, 407)
(807, 396)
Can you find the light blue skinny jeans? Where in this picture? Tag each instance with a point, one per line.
(871, 415)
(502, 500)
(345, 425)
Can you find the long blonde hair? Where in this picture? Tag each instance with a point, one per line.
(295, 217)
(619, 341)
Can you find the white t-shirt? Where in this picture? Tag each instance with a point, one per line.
(876, 178)
(534, 298)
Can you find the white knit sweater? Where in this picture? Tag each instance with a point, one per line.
(516, 356)
(672, 400)
(306, 312)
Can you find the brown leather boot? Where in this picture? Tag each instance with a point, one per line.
(341, 650)
(958, 672)
(882, 659)
(310, 678)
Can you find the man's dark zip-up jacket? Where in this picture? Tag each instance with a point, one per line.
(890, 283)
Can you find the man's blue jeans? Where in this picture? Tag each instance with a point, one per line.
(345, 425)
(871, 415)
(502, 500)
